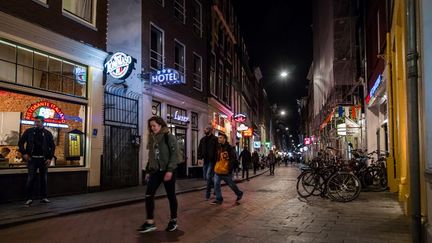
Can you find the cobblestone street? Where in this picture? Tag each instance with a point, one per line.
(269, 212)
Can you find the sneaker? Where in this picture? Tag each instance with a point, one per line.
(28, 203)
(239, 197)
(45, 200)
(172, 225)
(147, 227)
(216, 202)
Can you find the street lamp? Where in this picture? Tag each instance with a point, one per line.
(284, 74)
(282, 113)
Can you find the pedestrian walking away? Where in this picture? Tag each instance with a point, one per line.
(255, 161)
(271, 160)
(207, 154)
(37, 148)
(223, 169)
(161, 167)
(246, 159)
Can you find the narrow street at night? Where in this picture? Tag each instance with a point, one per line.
(270, 211)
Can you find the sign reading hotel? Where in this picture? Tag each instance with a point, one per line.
(119, 65)
(167, 76)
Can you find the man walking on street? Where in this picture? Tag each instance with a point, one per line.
(38, 152)
(245, 157)
(255, 161)
(271, 160)
(223, 169)
(207, 154)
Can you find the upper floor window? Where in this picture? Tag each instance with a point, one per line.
(161, 2)
(156, 48)
(197, 72)
(213, 74)
(179, 57)
(179, 10)
(24, 66)
(81, 9)
(197, 18)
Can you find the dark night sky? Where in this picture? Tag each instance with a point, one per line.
(278, 36)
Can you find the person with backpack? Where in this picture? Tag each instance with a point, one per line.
(223, 169)
(162, 163)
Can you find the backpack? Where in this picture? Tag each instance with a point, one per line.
(180, 157)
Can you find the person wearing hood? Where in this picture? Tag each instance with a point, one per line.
(162, 163)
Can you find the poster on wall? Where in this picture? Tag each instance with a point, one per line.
(9, 128)
(74, 145)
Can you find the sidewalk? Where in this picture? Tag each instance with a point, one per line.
(16, 213)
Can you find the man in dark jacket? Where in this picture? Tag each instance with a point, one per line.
(38, 152)
(225, 152)
(255, 161)
(207, 154)
(245, 157)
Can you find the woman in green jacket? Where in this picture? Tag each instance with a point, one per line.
(162, 147)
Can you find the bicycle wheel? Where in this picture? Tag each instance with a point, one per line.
(305, 184)
(343, 187)
(375, 179)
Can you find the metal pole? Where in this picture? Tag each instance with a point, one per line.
(413, 120)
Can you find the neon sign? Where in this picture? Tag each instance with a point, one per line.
(167, 76)
(180, 117)
(240, 118)
(248, 133)
(51, 112)
(242, 127)
(119, 65)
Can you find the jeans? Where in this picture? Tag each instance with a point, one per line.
(228, 179)
(245, 169)
(209, 175)
(154, 182)
(32, 166)
(272, 169)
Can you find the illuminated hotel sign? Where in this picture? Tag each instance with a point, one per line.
(119, 65)
(53, 115)
(167, 76)
(240, 118)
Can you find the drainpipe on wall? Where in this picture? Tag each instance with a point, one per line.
(413, 120)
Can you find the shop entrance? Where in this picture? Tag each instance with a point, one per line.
(120, 166)
(180, 134)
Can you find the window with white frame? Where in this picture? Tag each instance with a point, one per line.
(179, 10)
(161, 2)
(197, 71)
(220, 80)
(82, 9)
(213, 74)
(197, 18)
(179, 57)
(156, 48)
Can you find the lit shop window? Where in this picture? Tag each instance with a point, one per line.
(66, 122)
(29, 67)
(81, 9)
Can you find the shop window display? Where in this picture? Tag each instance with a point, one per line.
(65, 120)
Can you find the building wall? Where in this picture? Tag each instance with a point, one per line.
(51, 16)
(425, 49)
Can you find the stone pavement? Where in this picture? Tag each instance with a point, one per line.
(16, 213)
(269, 212)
